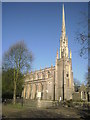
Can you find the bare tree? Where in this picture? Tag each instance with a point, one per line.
(82, 35)
(19, 58)
(88, 77)
(83, 38)
(77, 84)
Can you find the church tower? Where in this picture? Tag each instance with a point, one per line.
(64, 85)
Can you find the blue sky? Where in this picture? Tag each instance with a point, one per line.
(39, 25)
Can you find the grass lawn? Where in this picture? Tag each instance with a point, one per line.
(9, 109)
(16, 106)
(19, 111)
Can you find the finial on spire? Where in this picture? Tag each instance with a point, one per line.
(70, 54)
(63, 23)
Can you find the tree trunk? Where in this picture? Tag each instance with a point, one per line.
(14, 92)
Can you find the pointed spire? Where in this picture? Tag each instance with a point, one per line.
(70, 54)
(60, 52)
(40, 67)
(57, 53)
(63, 23)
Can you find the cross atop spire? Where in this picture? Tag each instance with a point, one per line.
(63, 23)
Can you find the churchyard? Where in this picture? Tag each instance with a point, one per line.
(61, 110)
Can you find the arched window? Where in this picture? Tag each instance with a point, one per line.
(84, 95)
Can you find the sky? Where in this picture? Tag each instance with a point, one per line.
(39, 25)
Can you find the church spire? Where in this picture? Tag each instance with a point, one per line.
(63, 23)
(70, 54)
(63, 39)
(57, 53)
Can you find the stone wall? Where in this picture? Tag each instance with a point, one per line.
(41, 86)
(76, 96)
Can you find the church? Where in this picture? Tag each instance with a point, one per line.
(55, 82)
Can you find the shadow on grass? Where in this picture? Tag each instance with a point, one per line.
(85, 114)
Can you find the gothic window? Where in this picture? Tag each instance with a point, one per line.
(67, 75)
(26, 91)
(34, 91)
(39, 76)
(84, 95)
(43, 75)
(30, 92)
(48, 73)
(39, 87)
